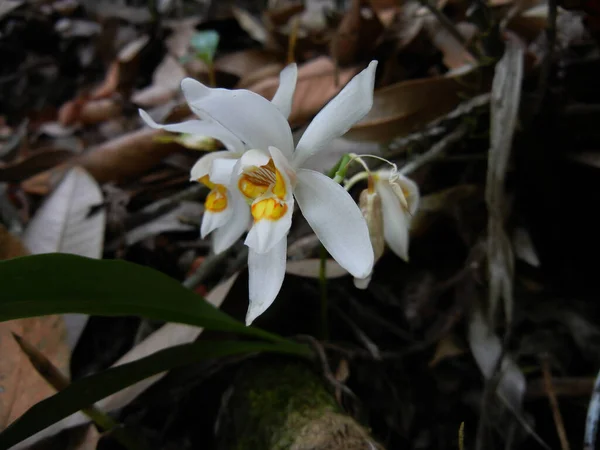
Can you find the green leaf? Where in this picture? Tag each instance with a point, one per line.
(205, 44)
(58, 283)
(89, 390)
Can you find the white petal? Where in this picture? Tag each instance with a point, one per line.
(198, 128)
(285, 168)
(362, 283)
(221, 170)
(396, 220)
(253, 158)
(336, 220)
(204, 164)
(409, 187)
(347, 108)
(225, 236)
(213, 220)
(252, 118)
(266, 271)
(285, 92)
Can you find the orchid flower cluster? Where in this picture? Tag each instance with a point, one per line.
(256, 182)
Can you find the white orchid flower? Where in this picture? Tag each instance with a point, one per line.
(388, 205)
(271, 177)
(399, 203)
(221, 204)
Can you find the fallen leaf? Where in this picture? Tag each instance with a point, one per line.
(165, 84)
(167, 223)
(63, 223)
(20, 385)
(245, 62)
(315, 87)
(35, 162)
(447, 347)
(117, 160)
(9, 5)
(357, 34)
(403, 107)
(251, 25)
(455, 53)
(96, 111)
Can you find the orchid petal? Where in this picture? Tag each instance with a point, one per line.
(285, 92)
(221, 170)
(336, 220)
(212, 220)
(225, 236)
(362, 283)
(409, 188)
(198, 128)
(266, 273)
(347, 108)
(252, 118)
(204, 164)
(396, 220)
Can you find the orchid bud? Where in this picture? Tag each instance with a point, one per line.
(370, 206)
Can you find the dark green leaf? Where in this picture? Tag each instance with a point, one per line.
(93, 388)
(58, 283)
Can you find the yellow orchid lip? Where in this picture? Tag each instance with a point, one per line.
(216, 200)
(269, 208)
(255, 181)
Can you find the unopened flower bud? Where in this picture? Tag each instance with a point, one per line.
(370, 206)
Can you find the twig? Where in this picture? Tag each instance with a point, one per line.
(593, 414)
(205, 270)
(435, 151)
(449, 26)
(558, 420)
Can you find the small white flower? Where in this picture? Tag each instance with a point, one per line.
(388, 205)
(399, 201)
(271, 176)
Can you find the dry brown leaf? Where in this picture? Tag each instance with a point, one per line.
(245, 62)
(315, 87)
(96, 111)
(447, 347)
(116, 160)
(20, 385)
(270, 71)
(165, 84)
(357, 34)
(280, 15)
(455, 54)
(34, 162)
(403, 107)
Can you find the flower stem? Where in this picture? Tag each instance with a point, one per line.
(324, 300)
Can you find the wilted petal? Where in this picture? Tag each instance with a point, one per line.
(396, 220)
(266, 273)
(285, 92)
(252, 118)
(409, 190)
(362, 283)
(347, 108)
(336, 220)
(198, 128)
(204, 164)
(226, 235)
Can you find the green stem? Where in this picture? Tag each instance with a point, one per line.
(324, 301)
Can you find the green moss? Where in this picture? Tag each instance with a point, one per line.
(271, 404)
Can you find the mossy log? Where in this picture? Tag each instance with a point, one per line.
(286, 405)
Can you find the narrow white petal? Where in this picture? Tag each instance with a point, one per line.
(204, 164)
(336, 220)
(198, 128)
(221, 170)
(396, 220)
(285, 168)
(254, 157)
(225, 236)
(213, 220)
(347, 108)
(266, 273)
(285, 92)
(252, 118)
